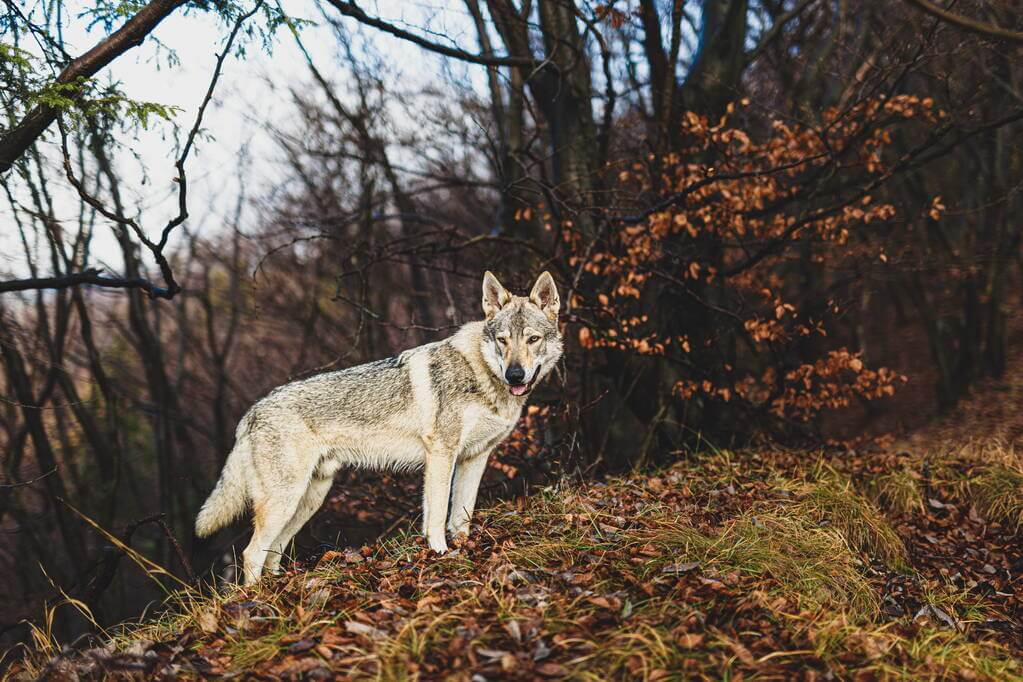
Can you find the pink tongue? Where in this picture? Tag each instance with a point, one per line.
(519, 390)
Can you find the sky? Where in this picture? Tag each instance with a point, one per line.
(251, 95)
(252, 91)
(252, 99)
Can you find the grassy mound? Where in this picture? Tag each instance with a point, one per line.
(832, 499)
(721, 566)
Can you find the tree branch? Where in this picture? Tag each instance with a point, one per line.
(350, 9)
(20, 484)
(92, 275)
(182, 179)
(27, 131)
(972, 25)
(776, 29)
(679, 198)
(89, 276)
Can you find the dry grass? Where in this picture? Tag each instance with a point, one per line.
(804, 561)
(931, 654)
(897, 490)
(759, 572)
(997, 492)
(988, 475)
(832, 499)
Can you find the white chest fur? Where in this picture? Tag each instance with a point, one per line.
(482, 429)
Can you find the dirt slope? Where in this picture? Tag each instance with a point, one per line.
(774, 565)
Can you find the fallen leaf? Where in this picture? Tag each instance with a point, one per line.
(743, 654)
(208, 622)
(357, 628)
(689, 640)
(514, 629)
(491, 653)
(552, 670)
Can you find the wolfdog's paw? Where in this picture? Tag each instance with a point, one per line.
(459, 531)
(438, 545)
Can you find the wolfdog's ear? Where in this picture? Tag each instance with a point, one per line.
(545, 296)
(495, 296)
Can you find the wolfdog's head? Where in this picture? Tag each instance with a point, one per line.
(521, 341)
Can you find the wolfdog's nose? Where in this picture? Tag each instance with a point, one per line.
(515, 374)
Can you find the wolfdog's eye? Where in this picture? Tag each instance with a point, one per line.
(533, 339)
(502, 341)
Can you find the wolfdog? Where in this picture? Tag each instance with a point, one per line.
(444, 406)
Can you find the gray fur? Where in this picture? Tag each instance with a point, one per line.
(444, 406)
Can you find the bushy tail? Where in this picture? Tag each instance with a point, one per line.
(230, 496)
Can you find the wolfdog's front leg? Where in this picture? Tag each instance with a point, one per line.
(463, 492)
(436, 493)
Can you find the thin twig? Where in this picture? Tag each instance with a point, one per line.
(972, 25)
(21, 484)
(185, 563)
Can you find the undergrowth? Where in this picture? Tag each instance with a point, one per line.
(723, 565)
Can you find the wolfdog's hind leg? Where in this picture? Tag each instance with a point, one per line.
(311, 501)
(272, 514)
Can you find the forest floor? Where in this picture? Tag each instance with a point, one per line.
(766, 564)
